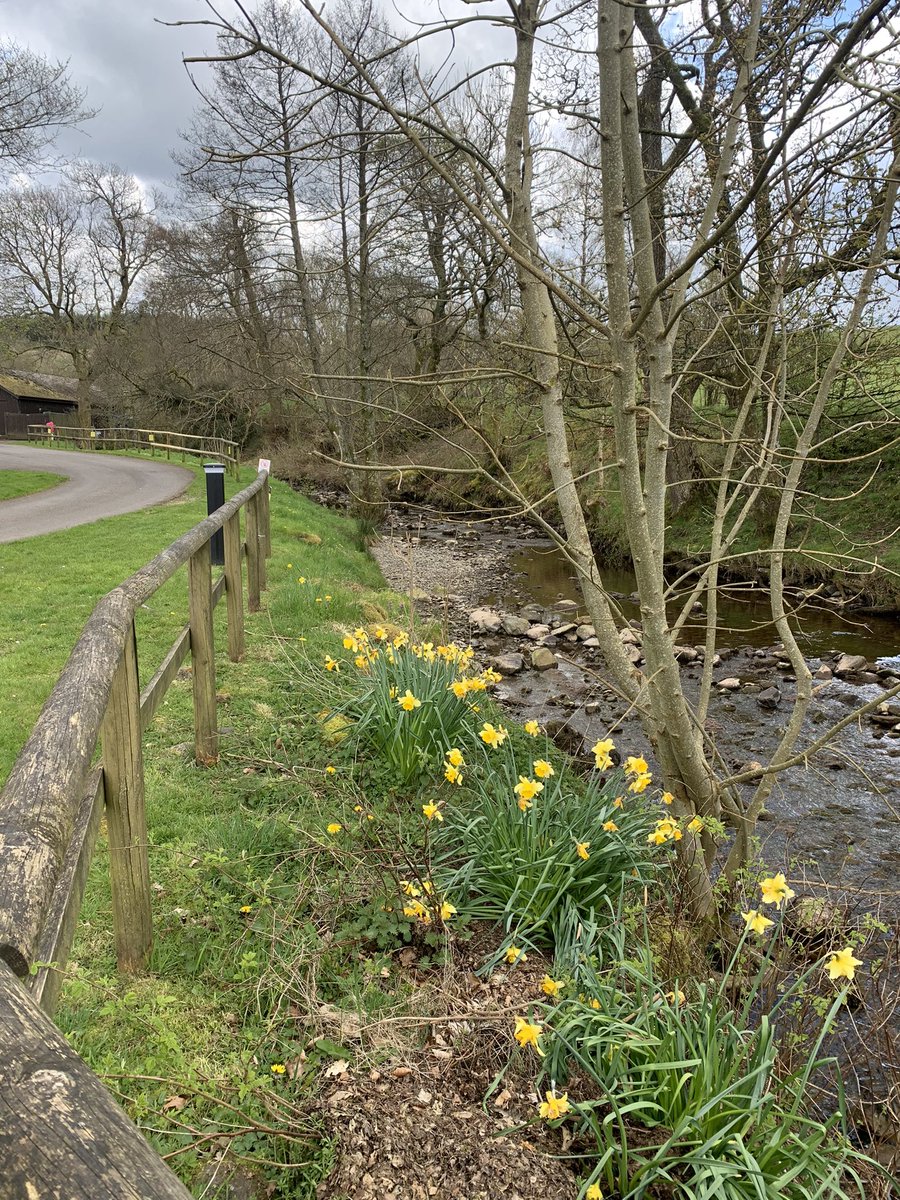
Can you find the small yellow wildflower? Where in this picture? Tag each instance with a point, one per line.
(527, 1034)
(756, 921)
(532, 728)
(334, 827)
(301, 579)
(542, 768)
(447, 911)
(327, 599)
(842, 964)
(610, 827)
(408, 701)
(277, 1068)
(602, 752)
(329, 770)
(775, 890)
(246, 908)
(331, 665)
(514, 954)
(554, 1106)
(551, 987)
(595, 1003)
(432, 812)
(527, 789)
(581, 849)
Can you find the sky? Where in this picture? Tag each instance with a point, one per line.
(131, 67)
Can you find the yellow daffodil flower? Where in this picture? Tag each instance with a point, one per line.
(408, 701)
(581, 849)
(695, 826)
(361, 662)
(408, 888)
(775, 890)
(455, 758)
(551, 987)
(554, 1106)
(640, 783)
(842, 964)
(636, 766)
(676, 997)
(532, 728)
(602, 752)
(447, 911)
(610, 827)
(657, 838)
(667, 797)
(618, 802)
(331, 665)
(514, 954)
(527, 789)
(527, 1034)
(593, 1192)
(350, 643)
(542, 768)
(492, 737)
(756, 921)
(453, 774)
(432, 812)
(380, 633)
(460, 688)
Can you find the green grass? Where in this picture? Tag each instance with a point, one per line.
(24, 483)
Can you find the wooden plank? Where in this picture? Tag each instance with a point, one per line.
(234, 588)
(206, 736)
(153, 694)
(62, 919)
(62, 1136)
(266, 527)
(123, 771)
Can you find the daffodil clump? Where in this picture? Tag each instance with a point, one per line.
(411, 700)
(529, 844)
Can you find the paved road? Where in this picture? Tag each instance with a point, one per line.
(98, 485)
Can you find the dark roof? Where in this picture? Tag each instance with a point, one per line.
(32, 389)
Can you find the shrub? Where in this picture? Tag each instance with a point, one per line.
(413, 699)
(540, 852)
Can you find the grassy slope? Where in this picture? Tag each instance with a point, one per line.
(215, 1010)
(23, 483)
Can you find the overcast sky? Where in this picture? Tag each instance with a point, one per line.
(131, 67)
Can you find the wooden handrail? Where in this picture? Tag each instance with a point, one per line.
(43, 796)
(123, 436)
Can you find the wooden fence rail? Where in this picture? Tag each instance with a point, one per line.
(120, 437)
(50, 812)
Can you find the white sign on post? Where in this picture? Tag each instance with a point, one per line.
(265, 464)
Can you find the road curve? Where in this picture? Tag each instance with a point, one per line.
(97, 485)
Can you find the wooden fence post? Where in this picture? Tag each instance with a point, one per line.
(203, 658)
(255, 582)
(266, 529)
(123, 770)
(234, 597)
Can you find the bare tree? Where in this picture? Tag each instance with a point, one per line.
(37, 100)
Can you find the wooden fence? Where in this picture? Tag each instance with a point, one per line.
(61, 1134)
(120, 437)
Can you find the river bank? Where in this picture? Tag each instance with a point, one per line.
(831, 822)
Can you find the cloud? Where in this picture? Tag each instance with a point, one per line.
(131, 68)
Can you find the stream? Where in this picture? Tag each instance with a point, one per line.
(832, 824)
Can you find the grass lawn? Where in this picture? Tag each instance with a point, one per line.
(23, 483)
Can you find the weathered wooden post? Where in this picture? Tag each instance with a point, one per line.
(123, 768)
(255, 577)
(234, 597)
(203, 659)
(266, 528)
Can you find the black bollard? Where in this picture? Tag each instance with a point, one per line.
(215, 498)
